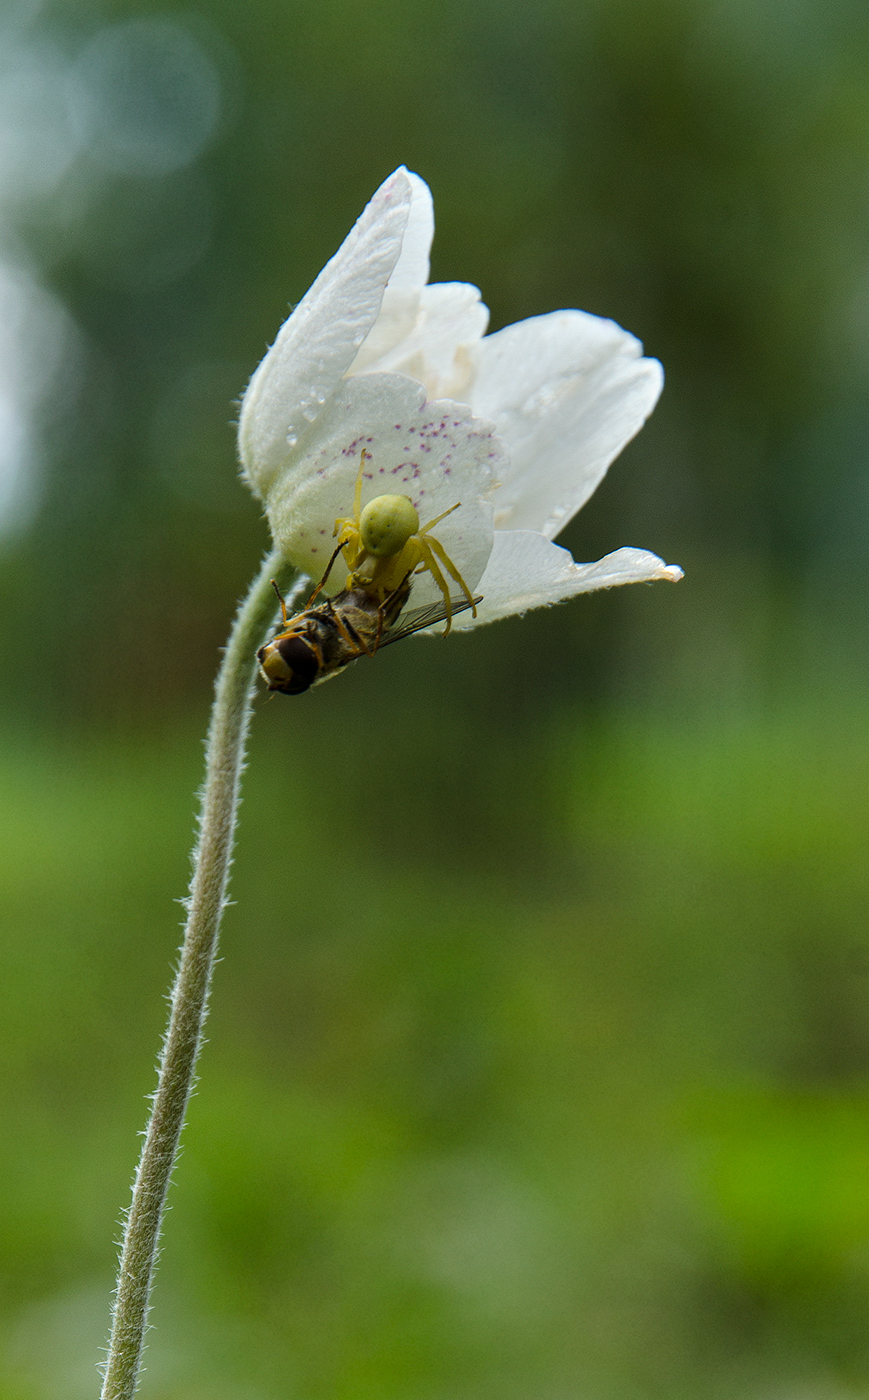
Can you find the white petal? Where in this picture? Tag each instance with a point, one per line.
(528, 571)
(450, 318)
(399, 310)
(567, 391)
(436, 453)
(411, 271)
(319, 341)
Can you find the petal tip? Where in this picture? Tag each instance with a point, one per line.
(396, 188)
(670, 572)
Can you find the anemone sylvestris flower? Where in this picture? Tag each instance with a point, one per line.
(380, 380)
(519, 426)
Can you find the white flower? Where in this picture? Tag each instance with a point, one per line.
(519, 426)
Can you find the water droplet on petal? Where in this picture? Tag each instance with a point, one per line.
(291, 439)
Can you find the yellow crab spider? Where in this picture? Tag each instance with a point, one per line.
(384, 543)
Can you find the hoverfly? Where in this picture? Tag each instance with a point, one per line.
(320, 641)
(383, 546)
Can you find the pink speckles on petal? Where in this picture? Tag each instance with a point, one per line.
(380, 425)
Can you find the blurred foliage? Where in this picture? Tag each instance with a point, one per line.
(539, 1062)
(579, 1110)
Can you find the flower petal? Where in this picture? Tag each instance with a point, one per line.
(528, 571)
(398, 312)
(317, 344)
(436, 453)
(567, 392)
(450, 318)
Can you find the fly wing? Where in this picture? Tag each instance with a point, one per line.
(418, 618)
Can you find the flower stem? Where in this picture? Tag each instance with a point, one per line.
(225, 746)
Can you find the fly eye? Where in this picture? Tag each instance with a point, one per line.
(301, 661)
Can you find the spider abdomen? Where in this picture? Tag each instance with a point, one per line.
(386, 524)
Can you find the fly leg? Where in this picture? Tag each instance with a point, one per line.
(346, 630)
(383, 610)
(320, 585)
(281, 600)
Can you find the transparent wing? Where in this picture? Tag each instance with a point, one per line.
(418, 618)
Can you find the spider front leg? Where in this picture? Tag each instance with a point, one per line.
(349, 543)
(348, 530)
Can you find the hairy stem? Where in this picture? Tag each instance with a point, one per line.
(227, 734)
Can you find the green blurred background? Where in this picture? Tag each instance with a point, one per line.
(538, 1063)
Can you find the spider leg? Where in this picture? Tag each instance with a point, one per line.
(357, 496)
(444, 513)
(430, 563)
(448, 564)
